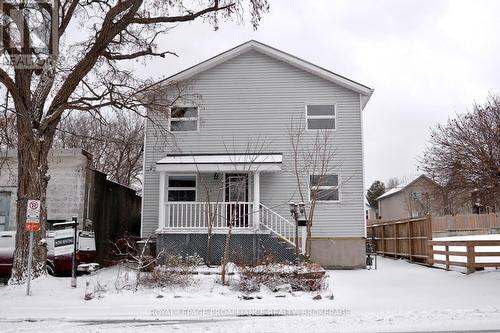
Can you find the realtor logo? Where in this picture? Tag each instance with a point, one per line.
(30, 33)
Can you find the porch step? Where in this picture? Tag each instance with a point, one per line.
(282, 230)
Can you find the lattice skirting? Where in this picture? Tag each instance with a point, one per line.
(243, 248)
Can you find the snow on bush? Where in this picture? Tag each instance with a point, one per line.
(302, 276)
(175, 271)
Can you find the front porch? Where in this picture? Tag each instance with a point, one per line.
(201, 194)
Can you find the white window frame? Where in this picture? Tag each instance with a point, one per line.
(324, 187)
(168, 188)
(334, 117)
(197, 118)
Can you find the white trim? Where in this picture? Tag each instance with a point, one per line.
(143, 175)
(325, 187)
(161, 212)
(256, 199)
(221, 163)
(334, 117)
(197, 118)
(248, 231)
(363, 164)
(274, 53)
(195, 188)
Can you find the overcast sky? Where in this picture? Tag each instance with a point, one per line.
(426, 60)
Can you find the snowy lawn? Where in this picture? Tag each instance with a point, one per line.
(397, 297)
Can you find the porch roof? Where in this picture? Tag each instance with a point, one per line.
(220, 162)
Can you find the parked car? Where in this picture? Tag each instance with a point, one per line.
(59, 251)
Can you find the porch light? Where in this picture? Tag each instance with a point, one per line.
(302, 207)
(293, 208)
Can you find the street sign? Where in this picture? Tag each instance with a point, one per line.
(33, 209)
(33, 215)
(32, 224)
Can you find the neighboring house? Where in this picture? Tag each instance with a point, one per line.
(370, 212)
(415, 198)
(75, 189)
(226, 154)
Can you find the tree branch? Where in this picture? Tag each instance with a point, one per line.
(7, 81)
(149, 51)
(182, 18)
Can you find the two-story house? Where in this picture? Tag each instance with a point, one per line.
(415, 197)
(221, 155)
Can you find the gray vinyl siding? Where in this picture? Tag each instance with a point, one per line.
(252, 98)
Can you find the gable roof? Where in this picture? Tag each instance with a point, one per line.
(401, 187)
(363, 90)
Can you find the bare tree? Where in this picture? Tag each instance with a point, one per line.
(464, 154)
(115, 142)
(392, 183)
(313, 158)
(215, 191)
(213, 199)
(86, 65)
(135, 257)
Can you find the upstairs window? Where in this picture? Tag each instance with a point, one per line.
(183, 119)
(320, 117)
(324, 187)
(181, 188)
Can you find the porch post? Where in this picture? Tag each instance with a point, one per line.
(256, 199)
(161, 212)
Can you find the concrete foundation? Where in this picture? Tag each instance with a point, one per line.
(339, 253)
(331, 253)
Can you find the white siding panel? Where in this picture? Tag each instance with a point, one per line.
(252, 98)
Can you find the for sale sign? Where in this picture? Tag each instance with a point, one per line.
(33, 215)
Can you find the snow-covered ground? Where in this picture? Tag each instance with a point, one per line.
(397, 297)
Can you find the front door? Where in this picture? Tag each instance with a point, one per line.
(4, 210)
(237, 197)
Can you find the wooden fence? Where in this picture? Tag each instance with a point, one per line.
(465, 222)
(407, 238)
(412, 239)
(450, 253)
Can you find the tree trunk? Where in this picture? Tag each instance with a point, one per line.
(225, 258)
(32, 183)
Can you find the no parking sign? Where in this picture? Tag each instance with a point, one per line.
(33, 215)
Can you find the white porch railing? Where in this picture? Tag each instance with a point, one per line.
(277, 224)
(198, 215)
(242, 216)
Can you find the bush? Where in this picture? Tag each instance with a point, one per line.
(303, 276)
(176, 271)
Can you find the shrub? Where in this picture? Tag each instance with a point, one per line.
(303, 276)
(176, 271)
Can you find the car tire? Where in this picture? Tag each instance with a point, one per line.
(50, 269)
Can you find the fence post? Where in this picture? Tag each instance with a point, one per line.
(447, 260)
(430, 250)
(409, 241)
(396, 236)
(383, 239)
(471, 260)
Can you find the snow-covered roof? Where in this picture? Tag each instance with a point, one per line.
(363, 90)
(404, 185)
